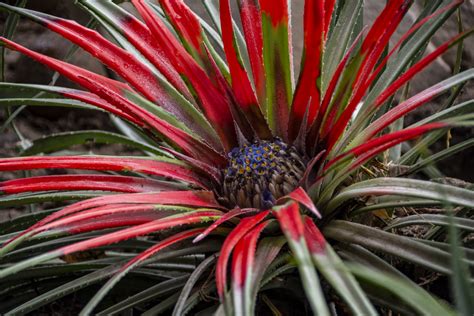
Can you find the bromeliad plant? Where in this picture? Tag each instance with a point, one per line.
(252, 185)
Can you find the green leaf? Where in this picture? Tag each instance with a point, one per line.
(162, 306)
(451, 112)
(404, 187)
(469, 252)
(340, 39)
(9, 28)
(46, 102)
(432, 219)
(362, 256)
(410, 50)
(64, 290)
(292, 226)
(190, 283)
(390, 202)
(268, 249)
(396, 245)
(337, 274)
(60, 141)
(462, 289)
(146, 295)
(30, 198)
(415, 296)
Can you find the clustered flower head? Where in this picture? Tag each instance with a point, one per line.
(250, 167)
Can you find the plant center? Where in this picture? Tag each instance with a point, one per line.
(260, 173)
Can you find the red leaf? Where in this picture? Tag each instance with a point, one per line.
(70, 71)
(226, 217)
(299, 195)
(372, 48)
(148, 166)
(185, 23)
(276, 10)
(405, 36)
(140, 36)
(93, 225)
(403, 108)
(160, 246)
(213, 103)
(140, 230)
(112, 91)
(205, 168)
(252, 27)
(418, 67)
(244, 255)
(375, 146)
(240, 231)
(289, 218)
(314, 238)
(84, 182)
(122, 62)
(104, 217)
(307, 90)
(93, 99)
(187, 142)
(328, 10)
(203, 199)
(240, 81)
(241, 86)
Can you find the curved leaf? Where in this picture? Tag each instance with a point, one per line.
(404, 187)
(396, 245)
(418, 299)
(60, 141)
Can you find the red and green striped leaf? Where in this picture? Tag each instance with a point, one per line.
(203, 199)
(267, 251)
(109, 216)
(329, 6)
(278, 64)
(375, 146)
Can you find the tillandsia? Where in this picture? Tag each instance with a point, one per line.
(257, 184)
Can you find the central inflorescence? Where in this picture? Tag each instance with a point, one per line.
(260, 173)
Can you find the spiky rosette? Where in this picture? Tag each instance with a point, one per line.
(257, 169)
